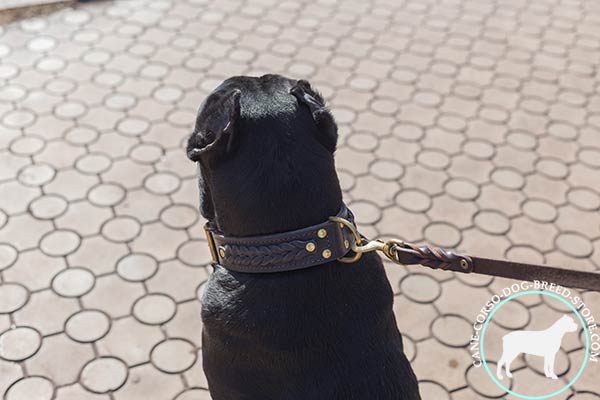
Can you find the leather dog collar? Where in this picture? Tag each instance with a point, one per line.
(302, 248)
(338, 236)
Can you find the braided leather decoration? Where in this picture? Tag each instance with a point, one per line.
(266, 255)
(432, 257)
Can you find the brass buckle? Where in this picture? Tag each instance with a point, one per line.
(212, 246)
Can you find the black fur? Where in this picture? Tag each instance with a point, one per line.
(265, 149)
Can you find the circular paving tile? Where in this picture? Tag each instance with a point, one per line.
(60, 86)
(475, 280)
(590, 157)
(479, 150)
(94, 163)
(413, 200)
(540, 210)
(574, 244)
(60, 242)
(168, 94)
(420, 288)
(492, 222)
(77, 17)
(12, 93)
(121, 229)
(154, 309)
(408, 132)
(467, 91)
(106, 194)
(452, 122)
(162, 183)
(384, 106)
(12, 297)
(73, 282)
(31, 388)
(365, 212)
(27, 145)
(104, 374)
(137, 267)
(513, 315)
(508, 178)
(404, 75)
(36, 175)
(173, 355)
(522, 140)
(8, 256)
(120, 101)
(433, 159)
(19, 343)
(109, 78)
(8, 71)
(427, 99)
(363, 83)
(534, 106)
(146, 153)
(389, 170)
(50, 64)
(18, 119)
(462, 189)
(69, 109)
(87, 326)
(41, 43)
(525, 254)
(480, 382)
(442, 234)
(96, 57)
(452, 330)
(154, 71)
(132, 126)
(179, 216)
(194, 253)
(363, 141)
(584, 198)
(554, 169)
(81, 135)
(563, 131)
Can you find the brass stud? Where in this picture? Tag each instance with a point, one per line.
(342, 225)
(464, 264)
(221, 251)
(326, 253)
(322, 233)
(310, 247)
(346, 244)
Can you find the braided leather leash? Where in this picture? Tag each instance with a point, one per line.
(436, 258)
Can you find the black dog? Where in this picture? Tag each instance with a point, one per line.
(265, 150)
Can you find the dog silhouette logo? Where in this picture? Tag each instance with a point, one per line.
(544, 343)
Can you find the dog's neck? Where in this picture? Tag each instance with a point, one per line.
(241, 210)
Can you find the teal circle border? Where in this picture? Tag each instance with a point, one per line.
(587, 345)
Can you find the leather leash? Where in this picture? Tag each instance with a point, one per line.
(338, 238)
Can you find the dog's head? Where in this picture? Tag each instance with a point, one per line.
(568, 324)
(265, 149)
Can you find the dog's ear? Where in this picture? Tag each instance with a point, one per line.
(216, 130)
(323, 119)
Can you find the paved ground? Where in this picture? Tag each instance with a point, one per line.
(467, 124)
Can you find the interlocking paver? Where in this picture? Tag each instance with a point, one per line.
(471, 125)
